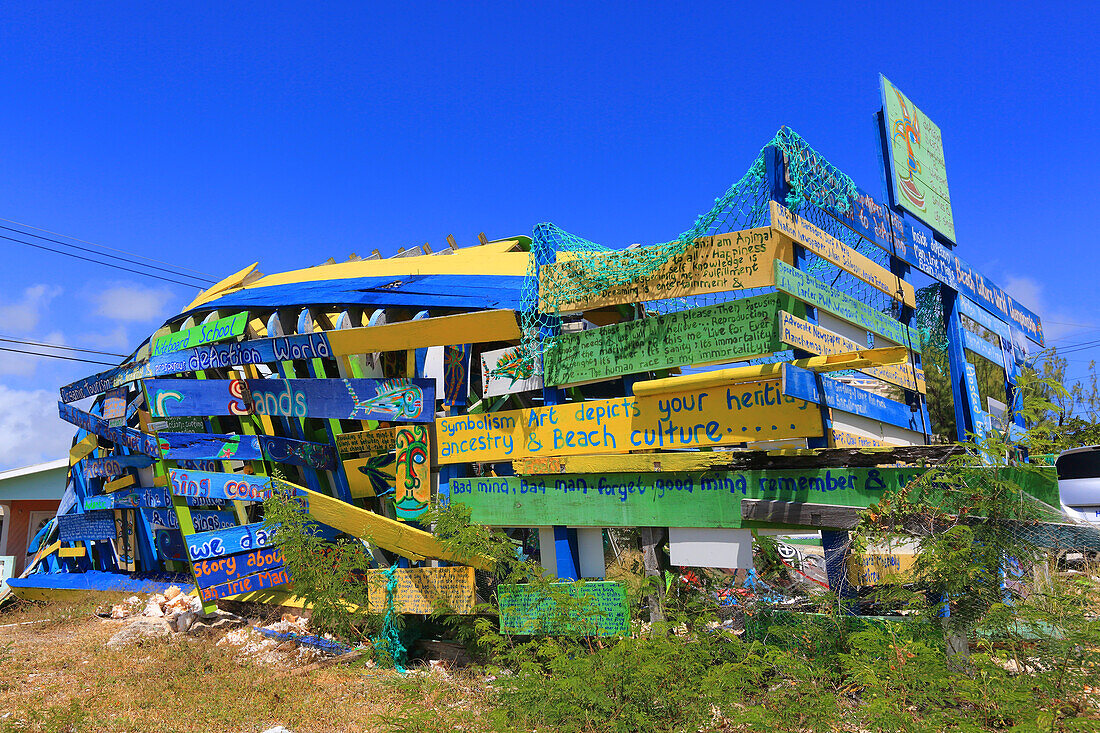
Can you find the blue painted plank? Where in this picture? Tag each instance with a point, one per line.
(126, 437)
(217, 571)
(219, 542)
(210, 356)
(103, 581)
(86, 527)
(259, 581)
(802, 383)
(114, 466)
(165, 526)
(176, 446)
(229, 486)
(137, 497)
(983, 348)
(402, 400)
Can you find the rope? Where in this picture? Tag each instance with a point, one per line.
(388, 641)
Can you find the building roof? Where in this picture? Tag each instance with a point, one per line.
(36, 468)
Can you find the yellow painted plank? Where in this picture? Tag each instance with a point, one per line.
(219, 288)
(845, 439)
(882, 567)
(625, 463)
(82, 449)
(823, 244)
(387, 533)
(809, 337)
(71, 552)
(725, 415)
(752, 373)
(712, 264)
(119, 483)
(476, 327)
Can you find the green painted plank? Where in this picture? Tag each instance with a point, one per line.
(588, 608)
(672, 499)
(811, 290)
(205, 333)
(737, 329)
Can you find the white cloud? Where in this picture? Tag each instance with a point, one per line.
(32, 431)
(23, 315)
(1031, 294)
(116, 340)
(132, 302)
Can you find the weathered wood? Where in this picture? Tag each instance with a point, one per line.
(406, 400)
(475, 327)
(728, 415)
(425, 590)
(82, 449)
(712, 264)
(187, 338)
(651, 539)
(737, 329)
(800, 513)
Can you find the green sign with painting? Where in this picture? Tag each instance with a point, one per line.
(916, 161)
(206, 333)
(587, 608)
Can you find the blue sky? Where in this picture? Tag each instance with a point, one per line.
(211, 137)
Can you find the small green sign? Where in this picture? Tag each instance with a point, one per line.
(737, 329)
(587, 608)
(205, 333)
(916, 159)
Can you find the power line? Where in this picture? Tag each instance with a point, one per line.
(114, 257)
(56, 356)
(59, 346)
(113, 249)
(98, 262)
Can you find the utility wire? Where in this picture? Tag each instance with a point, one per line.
(114, 257)
(24, 342)
(105, 264)
(84, 241)
(56, 356)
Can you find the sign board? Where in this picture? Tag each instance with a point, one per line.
(705, 547)
(219, 330)
(506, 371)
(917, 168)
(587, 608)
(371, 475)
(881, 567)
(713, 264)
(664, 499)
(700, 418)
(406, 400)
(212, 446)
(231, 541)
(113, 466)
(229, 486)
(114, 407)
(730, 331)
(87, 527)
(227, 568)
(425, 590)
(366, 441)
(412, 478)
(125, 437)
(248, 584)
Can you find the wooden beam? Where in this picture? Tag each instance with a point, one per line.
(476, 327)
(120, 483)
(800, 513)
(82, 449)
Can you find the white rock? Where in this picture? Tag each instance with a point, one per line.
(141, 627)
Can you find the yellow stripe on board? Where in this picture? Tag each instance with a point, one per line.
(119, 483)
(722, 415)
(808, 337)
(823, 244)
(465, 328)
(757, 372)
(82, 449)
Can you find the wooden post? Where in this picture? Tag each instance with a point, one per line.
(651, 539)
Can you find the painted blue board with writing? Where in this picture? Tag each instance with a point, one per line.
(227, 568)
(983, 348)
(136, 498)
(392, 400)
(86, 527)
(221, 447)
(215, 543)
(165, 526)
(209, 356)
(249, 584)
(802, 383)
(229, 486)
(126, 437)
(113, 466)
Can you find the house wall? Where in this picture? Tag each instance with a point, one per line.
(16, 524)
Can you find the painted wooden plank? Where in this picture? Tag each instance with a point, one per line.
(412, 480)
(713, 264)
(132, 498)
(406, 400)
(720, 416)
(477, 327)
(229, 486)
(232, 541)
(816, 293)
(757, 372)
(125, 540)
(506, 371)
(176, 446)
(800, 513)
(203, 519)
(227, 568)
(824, 245)
(82, 449)
(665, 499)
(371, 475)
(114, 406)
(387, 533)
(380, 440)
(456, 375)
(126, 437)
(71, 552)
(249, 584)
(882, 565)
(87, 527)
(187, 338)
(845, 439)
(803, 384)
(708, 547)
(114, 465)
(853, 429)
(730, 331)
(983, 348)
(974, 399)
(982, 317)
(809, 337)
(120, 483)
(425, 590)
(588, 608)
